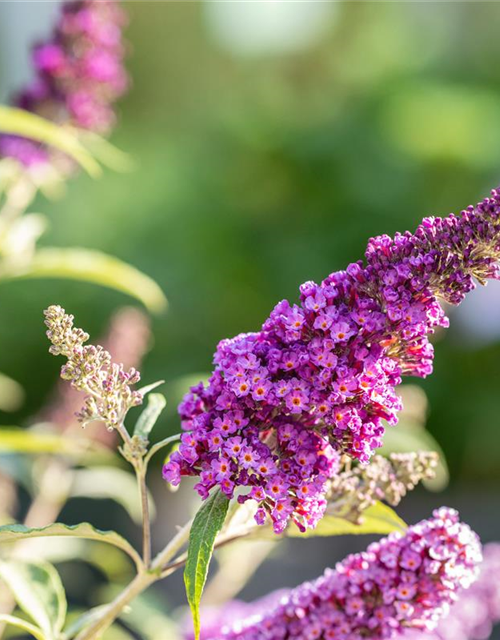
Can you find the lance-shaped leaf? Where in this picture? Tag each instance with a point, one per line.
(23, 123)
(84, 530)
(150, 387)
(38, 591)
(84, 620)
(22, 624)
(378, 519)
(149, 416)
(16, 440)
(148, 614)
(206, 525)
(91, 266)
(104, 152)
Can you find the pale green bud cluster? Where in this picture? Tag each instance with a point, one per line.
(388, 479)
(90, 368)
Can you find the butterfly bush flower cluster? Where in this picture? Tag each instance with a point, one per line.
(472, 617)
(402, 581)
(127, 340)
(90, 369)
(79, 75)
(319, 378)
(353, 490)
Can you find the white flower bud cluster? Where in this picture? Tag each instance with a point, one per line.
(388, 479)
(90, 369)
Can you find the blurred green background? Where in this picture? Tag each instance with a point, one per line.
(271, 141)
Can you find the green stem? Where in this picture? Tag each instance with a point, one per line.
(139, 584)
(146, 523)
(140, 468)
(172, 548)
(159, 445)
(160, 568)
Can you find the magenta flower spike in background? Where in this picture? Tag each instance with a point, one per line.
(401, 582)
(319, 378)
(477, 609)
(79, 75)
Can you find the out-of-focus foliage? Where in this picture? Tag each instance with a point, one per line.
(19, 122)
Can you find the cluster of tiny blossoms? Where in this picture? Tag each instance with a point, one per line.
(353, 490)
(127, 340)
(90, 369)
(403, 581)
(319, 377)
(79, 75)
(472, 617)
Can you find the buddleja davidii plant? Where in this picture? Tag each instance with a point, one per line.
(110, 394)
(290, 411)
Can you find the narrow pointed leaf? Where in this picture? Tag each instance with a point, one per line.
(206, 525)
(16, 440)
(87, 265)
(150, 387)
(23, 123)
(83, 621)
(105, 152)
(38, 591)
(149, 416)
(22, 624)
(84, 530)
(378, 519)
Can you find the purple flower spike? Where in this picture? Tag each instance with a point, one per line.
(477, 609)
(79, 75)
(401, 582)
(319, 378)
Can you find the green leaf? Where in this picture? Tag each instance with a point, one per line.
(113, 484)
(150, 387)
(38, 591)
(11, 394)
(377, 519)
(78, 623)
(206, 525)
(146, 615)
(83, 621)
(91, 266)
(15, 440)
(84, 530)
(23, 123)
(22, 624)
(149, 416)
(407, 437)
(105, 152)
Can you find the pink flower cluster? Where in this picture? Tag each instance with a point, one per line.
(79, 74)
(472, 617)
(320, 376)
(401, 582)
